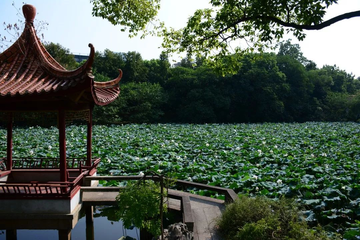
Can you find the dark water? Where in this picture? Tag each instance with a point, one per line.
(105, 228)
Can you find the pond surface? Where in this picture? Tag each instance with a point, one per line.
(105, 227)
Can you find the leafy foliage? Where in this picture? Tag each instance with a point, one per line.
(267, 87)
(138, 205)
(261, 219)
(62, 55)
(315, 163)
(134, 68)
(133, 15)
(286, 48)
(108, 63)
(139, 102)
(210, 31)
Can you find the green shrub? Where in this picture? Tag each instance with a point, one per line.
(139, 205)
(261, 218)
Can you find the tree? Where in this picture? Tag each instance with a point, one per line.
(338, 106)
(297, 100)
(343, 82)
(134, 69)
(158, 69)
(266, 88)
(186, 62)
(139, 103)
(132, 15)
(206, 100)
(209, 31)
(62, 55)
(108, 63)
(293, 50)
(355, 108)
(179, 84)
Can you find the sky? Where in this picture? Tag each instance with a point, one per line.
(72, 26)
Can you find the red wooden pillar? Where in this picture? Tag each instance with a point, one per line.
(9, 162)
(89, 138)
(62, 146)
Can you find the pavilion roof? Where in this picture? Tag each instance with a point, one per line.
(29, 74)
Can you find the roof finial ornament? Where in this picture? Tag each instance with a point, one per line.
(29, 12)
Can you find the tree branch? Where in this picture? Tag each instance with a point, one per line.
(285, 24)
(309, 27)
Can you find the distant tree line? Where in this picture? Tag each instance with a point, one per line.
(269, 87)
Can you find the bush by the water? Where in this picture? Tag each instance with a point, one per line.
(261, 218)
(138, 205)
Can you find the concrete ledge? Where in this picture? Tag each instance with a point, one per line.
(187, 213)
(101, 189)
(90, 198)
(188, 218)
(40, 206)
(40, 221)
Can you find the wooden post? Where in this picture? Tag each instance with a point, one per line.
(89, 212)
(161, 207)
(62, 146)
(90, 235)
(89, 138)
(145, 235)
(11, 234)
(9, 162)
(64, 234)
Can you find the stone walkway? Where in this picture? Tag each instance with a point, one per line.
(205, 214)
(205, 210)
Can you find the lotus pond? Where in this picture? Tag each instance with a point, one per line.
(315, 163)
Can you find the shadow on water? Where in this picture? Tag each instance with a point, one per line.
(106, 226)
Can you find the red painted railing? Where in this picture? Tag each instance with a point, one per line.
(51, 189)
(36, 189)
(2, 165)
(46, 163)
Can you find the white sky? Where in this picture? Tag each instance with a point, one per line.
(72, 25)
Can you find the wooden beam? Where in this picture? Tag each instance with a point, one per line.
(62, 145)
(89, 212)
(90, 234)
(11, 234)
(46, 106)
(64, 234)
(9, 162)
(89, 138)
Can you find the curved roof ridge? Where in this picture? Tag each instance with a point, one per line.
(110, 83)
(53, 66)
(106, 92)
(27, 70)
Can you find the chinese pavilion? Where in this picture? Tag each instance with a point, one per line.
(32, 80)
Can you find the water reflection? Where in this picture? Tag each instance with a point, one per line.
(105, 227)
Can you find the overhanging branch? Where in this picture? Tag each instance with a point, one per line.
(287, 24)
(312, 27)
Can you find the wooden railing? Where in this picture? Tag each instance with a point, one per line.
(47, 163)
(2, 165)
(35, 189)
(49, 189)
(230, 195)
